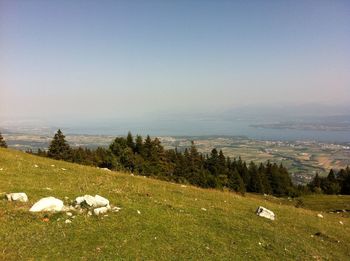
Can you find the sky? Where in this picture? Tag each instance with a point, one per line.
(127, 59)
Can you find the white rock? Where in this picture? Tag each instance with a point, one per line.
(47, 204)
(91, 201)
(69, 214)
(101, 210)
(52, 165)
(341, 223)
(320, 215)
(139, 212)
(1, 169)
(63, 169)
(36, 166)
(266, 213)
(204, 209)
(116, 209)
(67, 221)
(101, 201)
(106, 169)
(183, 186)
(21, 196)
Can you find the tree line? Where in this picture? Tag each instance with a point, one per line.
(214, 170)
(149, 158)
(334, 183)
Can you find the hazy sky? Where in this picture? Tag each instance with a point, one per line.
(133, 58)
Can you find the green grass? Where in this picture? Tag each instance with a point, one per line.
(171, 226)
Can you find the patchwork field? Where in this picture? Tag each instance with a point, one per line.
(158, 220)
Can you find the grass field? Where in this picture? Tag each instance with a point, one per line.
(174, 223)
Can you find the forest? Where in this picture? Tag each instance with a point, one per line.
(147, 157)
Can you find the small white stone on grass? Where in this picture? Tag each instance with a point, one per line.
(91, 201)
(1, 169)
(341, 223)
(183, 186)
(320, 215)
(204, 209)
(36, 166)
(69, 214)
(116, 209)
(266, 213)
(63, 169)
(101, 210)
(106, 169)
(139, 212)
(21, 197)
(47, 204)
(52, 165)
(67, 221)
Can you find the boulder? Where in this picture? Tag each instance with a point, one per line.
(47, 204)
(266, 213)
(94, 202)
(21, 196)
(101, 210)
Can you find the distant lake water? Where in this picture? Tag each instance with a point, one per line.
(200, 127)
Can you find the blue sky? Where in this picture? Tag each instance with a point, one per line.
(84, 59)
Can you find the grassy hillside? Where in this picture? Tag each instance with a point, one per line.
(175, 222)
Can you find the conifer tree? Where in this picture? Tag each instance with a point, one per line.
(138, 145)
(59, 148)
(130, 141)
(2, 142)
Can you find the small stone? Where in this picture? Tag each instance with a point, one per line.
(36, 166)
(67, 221)
(341, 223)
(52, 165)
(266, 213)
(204, 209)
(21, 197)
(139, 212)
(63, 169)
(69, 214)
(1, 169)
(183, 186)
(89, 213)
(260, 243)
(101, 210)
(320, 215)
(116, 209)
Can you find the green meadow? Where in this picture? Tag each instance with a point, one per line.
(159, 220)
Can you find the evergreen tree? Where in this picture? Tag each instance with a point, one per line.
(235, 182)
(138, 145)
(59, 148)
(130, 141)
(2, 142)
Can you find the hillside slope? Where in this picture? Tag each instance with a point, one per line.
(175, 222)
